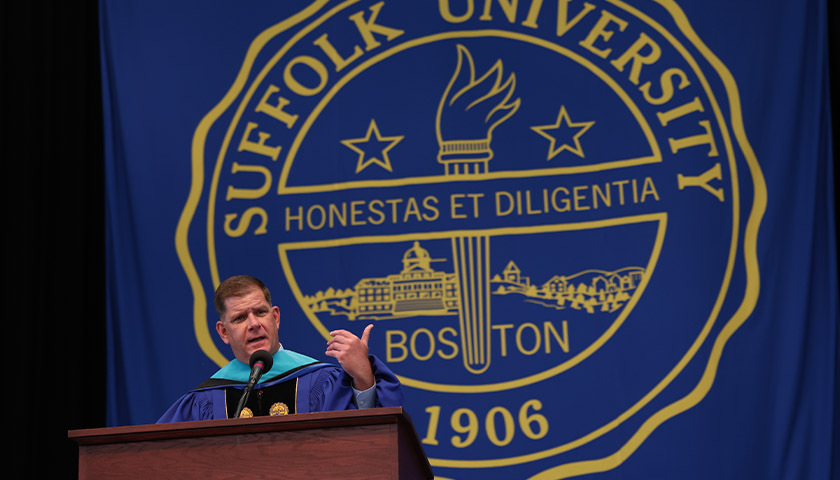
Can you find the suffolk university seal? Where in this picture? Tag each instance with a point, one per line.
(549, 209)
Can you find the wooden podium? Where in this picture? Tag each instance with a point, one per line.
(378, 443)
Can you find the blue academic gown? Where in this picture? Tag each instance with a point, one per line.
(321, 387)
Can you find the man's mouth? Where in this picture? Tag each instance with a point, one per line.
(256, 339)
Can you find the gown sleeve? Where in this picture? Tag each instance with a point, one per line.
(191, 406)
(331, 388)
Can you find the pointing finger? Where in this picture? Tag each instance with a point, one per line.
(366, 334)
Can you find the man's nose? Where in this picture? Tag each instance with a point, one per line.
(252, 321)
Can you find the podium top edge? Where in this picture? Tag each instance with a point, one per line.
(233, 426)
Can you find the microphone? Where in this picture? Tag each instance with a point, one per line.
(260, 362)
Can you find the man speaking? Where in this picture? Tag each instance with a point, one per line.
(293, 383)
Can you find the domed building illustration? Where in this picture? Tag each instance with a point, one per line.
(417, 290)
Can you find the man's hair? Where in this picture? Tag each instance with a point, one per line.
(237, 286)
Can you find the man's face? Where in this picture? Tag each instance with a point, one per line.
(249, 324)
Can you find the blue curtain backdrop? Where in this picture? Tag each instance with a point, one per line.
(594, 237)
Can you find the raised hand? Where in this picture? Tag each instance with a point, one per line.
(352, 353)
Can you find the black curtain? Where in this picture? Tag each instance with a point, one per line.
(54, 248)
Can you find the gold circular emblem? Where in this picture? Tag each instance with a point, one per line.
(278, 408)
(246, 413)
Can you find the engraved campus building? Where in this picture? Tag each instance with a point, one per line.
(417, 289)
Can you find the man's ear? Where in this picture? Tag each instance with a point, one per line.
(220, 328)
(275, 312)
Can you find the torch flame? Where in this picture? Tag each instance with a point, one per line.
(471, 108)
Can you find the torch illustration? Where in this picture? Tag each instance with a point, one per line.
(469, 110)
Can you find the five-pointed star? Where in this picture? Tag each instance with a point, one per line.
(564, 132)
(372, 150)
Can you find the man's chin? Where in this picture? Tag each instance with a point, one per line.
(263, 344)
(251, 347)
